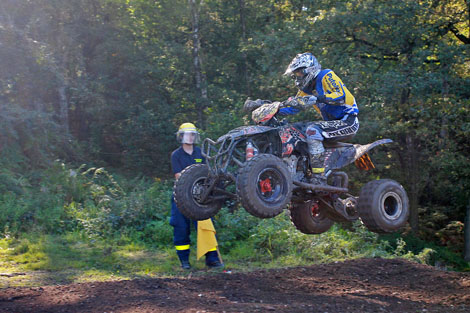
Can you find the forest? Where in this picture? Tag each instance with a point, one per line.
(92, 93)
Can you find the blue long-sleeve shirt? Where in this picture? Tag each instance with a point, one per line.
(335, 100)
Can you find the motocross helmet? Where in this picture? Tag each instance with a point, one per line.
(188, 134)
(304, 68)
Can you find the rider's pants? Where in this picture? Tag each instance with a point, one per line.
(335, 130)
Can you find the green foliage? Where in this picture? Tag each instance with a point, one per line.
(279, 237)
(413, 248)
(276, 241)
(89, 200)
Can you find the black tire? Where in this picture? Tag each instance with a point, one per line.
(383, 206)
(186, 191)
(264, 186)
(309, 218)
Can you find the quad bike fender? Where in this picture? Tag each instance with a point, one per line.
(245, 131)
(342, 156)
(290, 137)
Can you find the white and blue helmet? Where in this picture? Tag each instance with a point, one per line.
(304, 68)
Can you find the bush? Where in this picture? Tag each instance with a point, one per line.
(99, 207)
(63, 199)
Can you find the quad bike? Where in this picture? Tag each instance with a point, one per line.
(266, 168)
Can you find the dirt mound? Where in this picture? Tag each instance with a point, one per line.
(363, 285)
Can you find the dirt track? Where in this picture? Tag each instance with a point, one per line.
(364, 285)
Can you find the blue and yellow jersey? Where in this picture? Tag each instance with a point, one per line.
(334, 99)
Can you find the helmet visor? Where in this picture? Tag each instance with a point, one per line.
(299, 75)
(188, 137)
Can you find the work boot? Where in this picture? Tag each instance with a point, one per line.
(215, 264)
(212, 260)
(185, 265)
(183, 255)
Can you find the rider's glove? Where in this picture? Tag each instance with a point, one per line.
(251, 105)
(301, 102)
(309, 100)
(291, 102)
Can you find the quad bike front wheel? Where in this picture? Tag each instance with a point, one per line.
(309, 218)
(264, 186)
(188, 191)
(383, 206)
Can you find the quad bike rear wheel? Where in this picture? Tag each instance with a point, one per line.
(309, 218)
(188, 191)
(264, 186)
(383, 206)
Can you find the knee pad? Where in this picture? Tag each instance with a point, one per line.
(314, 140)
(313, 132)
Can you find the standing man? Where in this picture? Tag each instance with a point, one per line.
(181, 158)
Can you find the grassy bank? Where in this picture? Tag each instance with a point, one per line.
(38, 259)
(73, 225)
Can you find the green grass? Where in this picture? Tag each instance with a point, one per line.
(69, 258)
(247, 244)
(63, 228)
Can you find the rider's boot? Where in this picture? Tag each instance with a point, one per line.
(316, 153)
(318, 169)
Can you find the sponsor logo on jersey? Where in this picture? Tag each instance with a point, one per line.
(332, 82)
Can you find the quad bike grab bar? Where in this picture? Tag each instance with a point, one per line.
(218, 159)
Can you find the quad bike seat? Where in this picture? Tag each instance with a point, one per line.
(332, 143)
(336, 144)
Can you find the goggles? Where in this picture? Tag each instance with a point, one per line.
(299, 73)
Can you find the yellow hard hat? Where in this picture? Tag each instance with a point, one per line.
(187, 133)
(187, 127)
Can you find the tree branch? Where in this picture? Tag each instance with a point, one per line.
(460, 36)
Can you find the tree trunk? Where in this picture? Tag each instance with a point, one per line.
(200, 78)
(241, 4)
(62, 48)
(467, 234)
(410, 162)
(64, 107)
(412, 169)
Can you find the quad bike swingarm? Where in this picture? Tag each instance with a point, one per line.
(339, 209)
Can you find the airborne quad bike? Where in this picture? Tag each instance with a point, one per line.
(266, 167)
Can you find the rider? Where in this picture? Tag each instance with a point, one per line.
(182, 157)
(326, 93)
